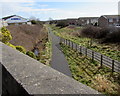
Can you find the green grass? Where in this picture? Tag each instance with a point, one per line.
(90, 73)
(110, 50)
(45, 56)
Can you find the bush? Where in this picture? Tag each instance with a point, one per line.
(11, 45)
(90, 31)
(113, 37)
(6, 36)
(102, 33)
(21, 49)
(31, 54)
(106, 35)
(33, 22)
(62, 24)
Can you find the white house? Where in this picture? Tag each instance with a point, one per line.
(14, 20)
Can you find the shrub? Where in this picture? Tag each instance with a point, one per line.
(62, 24)
(11, 45)
(102, 33)
(6, 36)
(90, 31)
(33, 22)
(21, 49)
(113, 37)
(31, 54)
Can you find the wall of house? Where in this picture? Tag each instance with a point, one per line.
(3, 23)
(102, 22)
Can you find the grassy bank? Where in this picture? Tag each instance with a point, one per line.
(110, 50)
(89, 72)
(45, 55)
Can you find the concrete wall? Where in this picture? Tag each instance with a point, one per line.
(22, 74)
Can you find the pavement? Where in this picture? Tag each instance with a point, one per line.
(59, 61)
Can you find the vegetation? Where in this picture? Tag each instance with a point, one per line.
(31, 54)
(6, 36)
(90, 73)
(37, 22)
(104, 35)
(45, 55)
(21, 49)
(62, 24)
(111, 50)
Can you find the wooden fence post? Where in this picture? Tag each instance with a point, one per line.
(76, 47)
(66, 41)
(101, 61)
(80, 49)
(92, 55)
(72, 45)
(69, 43)
(60, 40)
(112, 66)
(86, 51)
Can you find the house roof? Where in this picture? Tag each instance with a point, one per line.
(8, 17)
(5, 18)
(88, 17)
(111, 16)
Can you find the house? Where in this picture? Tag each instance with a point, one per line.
(3, 23)
(72, 21)
(109, 20)
(87, 21)
(14, 20)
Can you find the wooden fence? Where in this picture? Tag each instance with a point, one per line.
(102, 59)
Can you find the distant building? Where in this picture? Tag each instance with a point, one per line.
(14, 20)
(119, 8)
(87, 21)
(72, 21)
(109, 20)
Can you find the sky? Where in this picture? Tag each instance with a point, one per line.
(58, 9)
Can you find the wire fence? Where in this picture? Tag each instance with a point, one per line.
(102, 59)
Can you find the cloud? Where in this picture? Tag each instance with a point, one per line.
(59, 0)
(27, 8)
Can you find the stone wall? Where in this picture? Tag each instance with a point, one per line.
(22, 74)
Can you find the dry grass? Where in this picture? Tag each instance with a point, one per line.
(103, 85)
(28, 36)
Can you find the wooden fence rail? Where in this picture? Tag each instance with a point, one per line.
(102, 59)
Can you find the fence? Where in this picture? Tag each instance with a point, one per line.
(102, 59)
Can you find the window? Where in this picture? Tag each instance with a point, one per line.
(110, 20)
(15, 19)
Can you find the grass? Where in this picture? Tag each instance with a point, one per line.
(110, 50)
(89, 72)
(45, 55)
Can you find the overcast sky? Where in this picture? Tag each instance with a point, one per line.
(44, 9)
